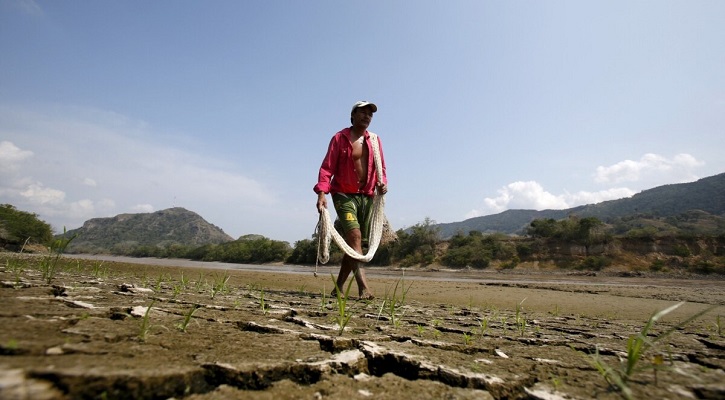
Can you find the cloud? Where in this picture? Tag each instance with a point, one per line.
(650, 171)
(530, 195)
(143, 208)
(37, 194)
(11, 156)
(679, 167)
(90, 182)
(30, 7)
(133, 167)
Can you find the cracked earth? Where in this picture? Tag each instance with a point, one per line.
(112, 330)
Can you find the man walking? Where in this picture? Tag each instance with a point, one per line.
(348, 173)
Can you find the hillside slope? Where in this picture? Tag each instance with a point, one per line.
(171, 226)
(706, 195)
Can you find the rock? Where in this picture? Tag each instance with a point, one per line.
(131, 288)
(139, 311)
(77, 304)
(543, 392)
(14, 385)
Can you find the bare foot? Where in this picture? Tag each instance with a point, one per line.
(367, 296)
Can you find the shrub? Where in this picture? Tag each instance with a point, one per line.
(657, 265)
(595, 263)
(18, 226)
(681, 251)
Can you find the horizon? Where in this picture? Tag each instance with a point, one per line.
(226, 108)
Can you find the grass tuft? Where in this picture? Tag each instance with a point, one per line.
(637, 346)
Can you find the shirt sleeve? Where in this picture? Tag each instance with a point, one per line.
(327, 168)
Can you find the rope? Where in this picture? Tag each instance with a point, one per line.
(326, 230)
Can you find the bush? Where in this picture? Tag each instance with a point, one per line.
(17, 227)
(524, 250)
(595, 263)
(657, 265)
(707, 267)
(418, 246)
(681, 251)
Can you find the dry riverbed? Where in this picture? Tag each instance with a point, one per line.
(107, 329)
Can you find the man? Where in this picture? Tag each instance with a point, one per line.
(348, 173)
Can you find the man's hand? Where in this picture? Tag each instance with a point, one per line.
(321, 202)
(382, 188)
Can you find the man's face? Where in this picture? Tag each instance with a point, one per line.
(362, 116)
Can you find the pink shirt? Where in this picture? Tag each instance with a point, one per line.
(337, 172)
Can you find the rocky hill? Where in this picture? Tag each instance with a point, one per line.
(161, 228)
(663, 204)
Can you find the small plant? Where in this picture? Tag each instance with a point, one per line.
(16, 268)
(467, 338)
(392, 303)
(220, 284)
(421, 329)
(483, 326)
(262, 305)
(187, 317)
(556, 382)
(436, 334)
(555, 312)
(145, 324)
(159, 281)
(343, 313)
(323, 299)
(176, 291)
(637, 346)
(183, 281)
(718, 326)
(97, 270)
(302, 289)
(12, 344)
(144, 278)
(49, 263)
(200, 283)
(520, 318)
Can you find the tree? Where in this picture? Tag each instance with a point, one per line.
(17, 227)
(419, 245)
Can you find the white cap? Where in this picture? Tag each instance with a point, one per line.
(364, 104)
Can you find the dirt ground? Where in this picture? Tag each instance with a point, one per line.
(110, 329)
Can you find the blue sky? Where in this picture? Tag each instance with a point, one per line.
(226, 107)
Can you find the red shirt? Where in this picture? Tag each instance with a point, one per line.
(337, 172)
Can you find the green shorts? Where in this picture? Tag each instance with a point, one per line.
(354, 211)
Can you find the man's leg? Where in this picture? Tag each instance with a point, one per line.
(349, 264)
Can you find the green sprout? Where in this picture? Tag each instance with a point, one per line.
(637, 346)
(343, 312)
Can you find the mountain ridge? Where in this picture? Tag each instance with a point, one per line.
(705, 194)
(175, 225)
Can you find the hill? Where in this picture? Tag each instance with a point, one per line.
(161, 228)
(663, 204)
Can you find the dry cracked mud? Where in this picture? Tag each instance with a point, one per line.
(111, 330)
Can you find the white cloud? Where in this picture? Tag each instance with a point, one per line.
(11, 156)
(133, 169)
(530, 195)
(679, 167)
(143, 208)
(650, 171)
(90, 182)
(37, 194)
(520, 194)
